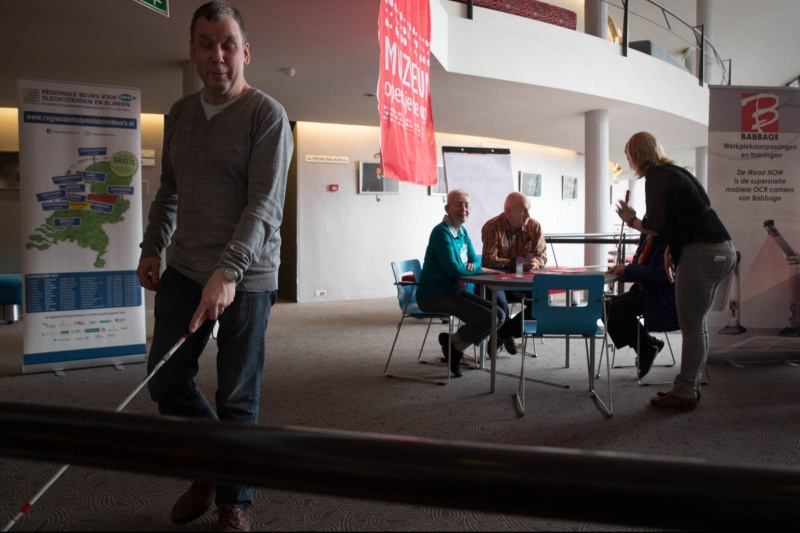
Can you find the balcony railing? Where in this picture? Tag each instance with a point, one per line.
(693, 36)
(697, 38)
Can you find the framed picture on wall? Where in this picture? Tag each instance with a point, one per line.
(569, 188)
(371, 180)
(440, 189)
(530, 184)
(9, 170)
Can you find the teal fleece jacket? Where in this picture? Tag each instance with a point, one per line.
(446, 258)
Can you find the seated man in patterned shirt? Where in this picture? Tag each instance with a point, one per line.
(507, 237)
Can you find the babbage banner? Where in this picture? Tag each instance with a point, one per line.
(754, 185)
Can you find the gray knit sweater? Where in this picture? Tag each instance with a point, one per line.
(223, 183)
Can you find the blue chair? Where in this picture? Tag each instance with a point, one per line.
(10, 296)
(554, 319)
(406, 278)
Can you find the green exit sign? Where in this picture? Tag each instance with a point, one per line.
(162, 6)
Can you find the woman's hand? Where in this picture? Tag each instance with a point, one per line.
(470, 266)
(617, 270)
(625, 211)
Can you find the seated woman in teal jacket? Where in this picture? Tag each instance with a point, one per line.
(450, 255)
(652, 296)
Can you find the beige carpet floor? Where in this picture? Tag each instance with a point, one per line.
(324, 369)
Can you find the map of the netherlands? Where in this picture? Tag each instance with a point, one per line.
(83, 202)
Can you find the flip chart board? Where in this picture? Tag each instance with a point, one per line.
(485, 173)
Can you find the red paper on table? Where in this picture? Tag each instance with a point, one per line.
(546, 270)
(408, 146)
(516, 276)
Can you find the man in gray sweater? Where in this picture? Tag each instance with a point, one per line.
(219, 206)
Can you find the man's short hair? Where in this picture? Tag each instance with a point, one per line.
(214, 12)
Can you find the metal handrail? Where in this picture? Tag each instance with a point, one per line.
(700, 40)
(591, 238)
(575, 485)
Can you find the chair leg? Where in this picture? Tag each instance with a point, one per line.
(519, 397)
(609, 346)
(396, 335)
(607, 409)
(708, 377)
(669, 345)
(445, 380)
(533, 343)
(425, 338)
(543, 382)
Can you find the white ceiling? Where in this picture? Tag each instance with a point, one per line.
(333, 47)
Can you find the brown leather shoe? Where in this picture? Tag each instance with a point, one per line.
(193, 503)
(671, 401)
(662, 394)
(232, 518)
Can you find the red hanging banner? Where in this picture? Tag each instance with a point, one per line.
(408, 146)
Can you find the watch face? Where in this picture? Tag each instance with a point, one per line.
(229, 274)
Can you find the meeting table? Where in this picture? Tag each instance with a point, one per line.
(516, 282)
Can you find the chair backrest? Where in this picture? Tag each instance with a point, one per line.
(567, 319)
(401, 269)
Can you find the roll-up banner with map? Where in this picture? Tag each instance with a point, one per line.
(80, 196)
(754, 186)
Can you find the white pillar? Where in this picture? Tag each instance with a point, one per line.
(191, 81)
(705, 17)
(691, 61)
(595, 20)
(701, 165)
(597, 188)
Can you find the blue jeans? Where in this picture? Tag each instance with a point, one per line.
(701, 269)
(240, 360)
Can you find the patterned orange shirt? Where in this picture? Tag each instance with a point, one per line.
(502, 244)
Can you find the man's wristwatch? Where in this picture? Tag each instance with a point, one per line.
(229, 274)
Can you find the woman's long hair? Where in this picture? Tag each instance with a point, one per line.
(645, 153)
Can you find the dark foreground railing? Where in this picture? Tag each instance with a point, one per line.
(599, 487)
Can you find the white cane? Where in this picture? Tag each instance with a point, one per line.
(121, 406)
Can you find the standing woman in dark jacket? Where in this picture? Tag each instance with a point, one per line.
(652, 295)
(698, 257)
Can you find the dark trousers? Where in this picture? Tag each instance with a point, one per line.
(623, 312)
(474, 312)
(512, 327)
(239, 363)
